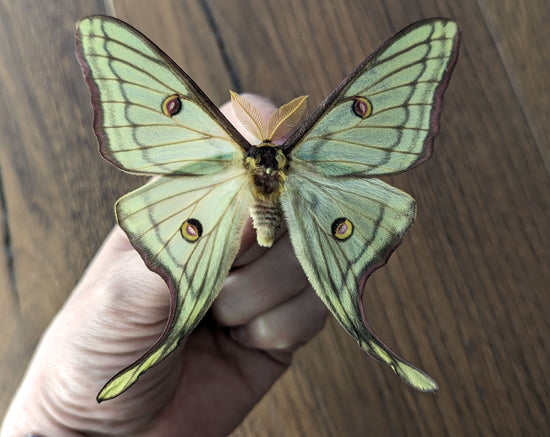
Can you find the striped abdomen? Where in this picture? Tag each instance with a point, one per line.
(267, 217)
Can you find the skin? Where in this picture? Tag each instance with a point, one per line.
(265, 311)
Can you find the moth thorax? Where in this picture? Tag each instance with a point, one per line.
(267, 218)
(266, 165)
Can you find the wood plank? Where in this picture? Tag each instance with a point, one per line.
(10, 305)
(521, 35)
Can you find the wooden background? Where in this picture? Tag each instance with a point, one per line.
(465, 297)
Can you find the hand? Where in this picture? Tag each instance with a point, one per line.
(265, 311)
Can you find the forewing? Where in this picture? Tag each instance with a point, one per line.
(342, 229)
(384, 117)
(187, 229)
(150, 117)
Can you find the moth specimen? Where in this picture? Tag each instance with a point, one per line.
(152, 119)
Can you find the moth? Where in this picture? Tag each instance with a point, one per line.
(150, 118)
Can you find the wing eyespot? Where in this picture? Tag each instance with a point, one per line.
(361, 107)
(342, 228)
(171, 105)
(191, 230)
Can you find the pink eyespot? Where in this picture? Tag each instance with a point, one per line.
(342, 228)
(191, 230)
(361, 107)
(171, 105)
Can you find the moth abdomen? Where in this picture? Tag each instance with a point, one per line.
(267, 217)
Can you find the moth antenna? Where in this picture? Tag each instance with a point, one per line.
(286, 118)
(250, 117)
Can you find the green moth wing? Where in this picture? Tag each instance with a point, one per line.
(188, 230)
(384, 117)
(352, 226)
(150, 117)
(381, 120)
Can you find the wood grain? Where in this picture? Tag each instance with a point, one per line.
(521, 36)
(465, 297)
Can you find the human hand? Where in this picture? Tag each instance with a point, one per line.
(264, 312)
